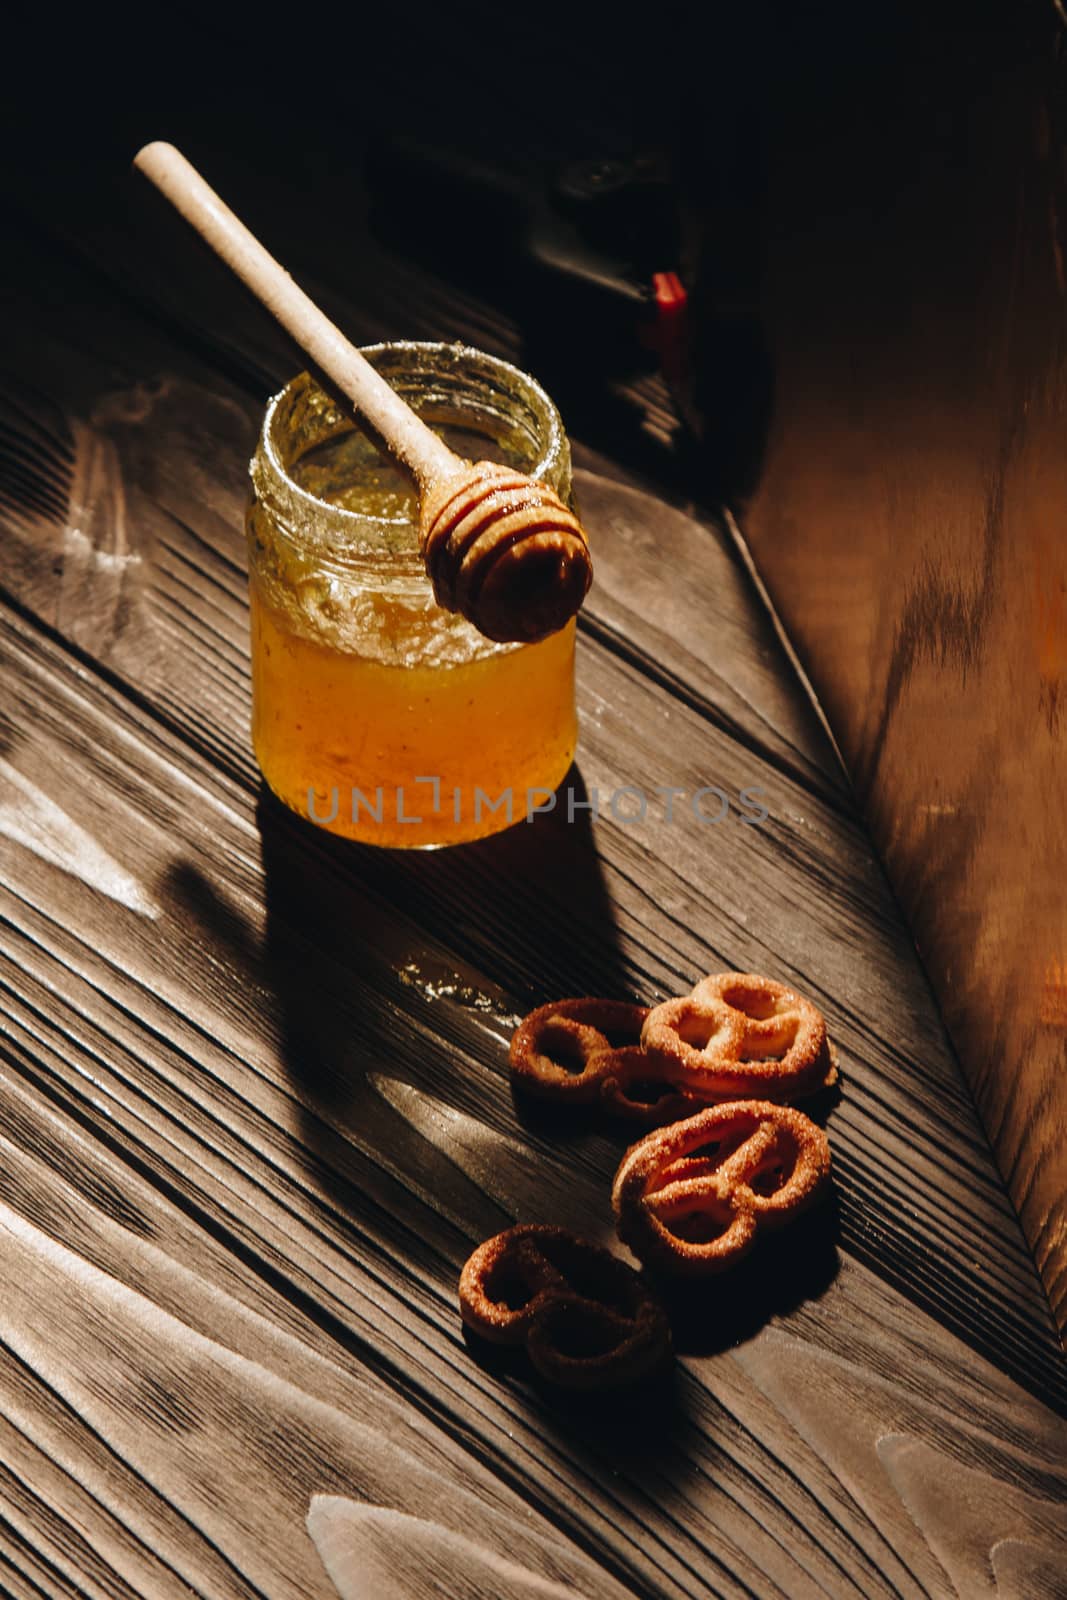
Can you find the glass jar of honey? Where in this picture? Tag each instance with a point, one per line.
(375, 713)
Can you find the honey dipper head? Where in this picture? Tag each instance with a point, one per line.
(505, 551)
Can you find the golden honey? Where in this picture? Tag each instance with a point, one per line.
(376, 714)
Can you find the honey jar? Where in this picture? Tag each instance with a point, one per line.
(375, 713)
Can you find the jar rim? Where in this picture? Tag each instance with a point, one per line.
(338, 526)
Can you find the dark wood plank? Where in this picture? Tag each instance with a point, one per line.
(910, 523)
(707, 882)
(187, 655)
(154, 1088)
(205, 998)
(875, 1343)
(152, 1404)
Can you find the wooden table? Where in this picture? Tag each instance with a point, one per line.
(254, 1103)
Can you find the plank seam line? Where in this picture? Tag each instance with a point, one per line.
(748, 561)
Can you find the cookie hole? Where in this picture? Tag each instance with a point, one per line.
(699, 1227)
(716, 1151)
(648, 1092)
(778, 1046)
(706, 1152)
(562, 1048)
(698, 1031)
(507, 1285)
(759, 1004)
(769, 1181)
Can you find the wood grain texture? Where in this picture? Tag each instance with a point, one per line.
(910, 526)
(254, 1106)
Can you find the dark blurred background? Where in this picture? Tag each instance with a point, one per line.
(544, 163)
(861, 352)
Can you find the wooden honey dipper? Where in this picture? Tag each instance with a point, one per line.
(499, 547)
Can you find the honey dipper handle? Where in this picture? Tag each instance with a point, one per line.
(406, 435)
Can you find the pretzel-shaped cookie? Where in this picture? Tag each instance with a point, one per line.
(738, 1034)
(586, 1319)
(691, 1198)
(585, 1051)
